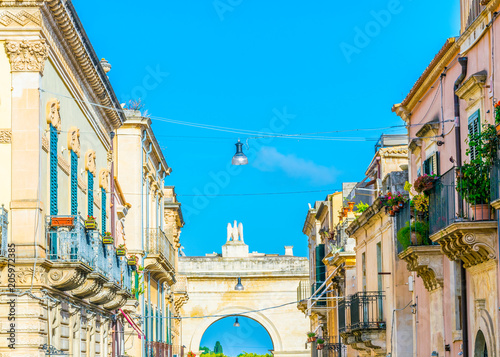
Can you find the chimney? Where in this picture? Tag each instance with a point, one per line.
(289, 250)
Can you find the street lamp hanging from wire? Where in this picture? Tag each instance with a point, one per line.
(239, 158)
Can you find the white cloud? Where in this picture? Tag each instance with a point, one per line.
(269, 159)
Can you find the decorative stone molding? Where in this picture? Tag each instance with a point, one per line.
(120, 300)
(5, 136)
(92, 286)
(472, 242)
(52, 113)
(24, 275)
(367, 342)
(90, 161)
(68, 276)
(432, 126)
(104, 177)
(63, 164)
(107, 294)
(45, 144)
(159, 268)
(27, 55)
(427, 261)
(20, 18)
(74, 140)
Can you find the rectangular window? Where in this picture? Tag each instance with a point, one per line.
(474, 126)
(431, 164)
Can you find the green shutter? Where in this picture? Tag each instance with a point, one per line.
(320, 267)
(474, 128)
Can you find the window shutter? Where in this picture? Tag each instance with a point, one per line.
(474, 128)
(431, 164)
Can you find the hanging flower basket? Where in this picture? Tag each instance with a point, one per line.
(391, 213)
(132, 260)
(121, 251)
(90, 223)
(108, 239)
(311, 337)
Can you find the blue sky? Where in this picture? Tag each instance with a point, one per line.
(287, 67)
(249, 337)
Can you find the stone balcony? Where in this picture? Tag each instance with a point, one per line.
(79, 263)
(362, 323)
(463, 230)
(160, 257)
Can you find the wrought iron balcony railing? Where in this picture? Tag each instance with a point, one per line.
(362, 311)
(67, 240)
(447, 206)
(100, 261)
(126, 271)
(158, 243)
(412, 228)
(4, 232)
(334, 347)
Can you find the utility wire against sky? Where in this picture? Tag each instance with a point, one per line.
(253, 134)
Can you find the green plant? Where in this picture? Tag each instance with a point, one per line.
(473, 182)
(138, 289)
(497, 112)
(311, 334)
(361, 207)
(420, 228)
(320, 341)
(421, 203)
(407, 187)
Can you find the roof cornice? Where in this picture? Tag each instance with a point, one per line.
(79, 44)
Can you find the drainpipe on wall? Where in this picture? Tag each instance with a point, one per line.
(458, 144)
(141, 190)
(112, 182)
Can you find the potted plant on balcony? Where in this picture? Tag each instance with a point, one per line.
(320, 344)
(191, 354)
(350, 205)
(416, 234)
(361, 207)
(473, 178)
(424, 183)
(132, 260)
(90, 223)
(311, 337)
(121, 250)
(108, 238)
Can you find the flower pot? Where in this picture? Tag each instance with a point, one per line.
(481, 212)
(311, 339)
(401, 204)
(90, 225)
(395, 208)
(107, 240)
(346, 210)
(120, 252)
(413, 238)
(62, 221)
(351, 206)
(381, 325)
(391, 213)
(320, 346)
(132, 261)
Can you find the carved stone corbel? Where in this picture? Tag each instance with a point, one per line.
(427, 261)
(68, 276)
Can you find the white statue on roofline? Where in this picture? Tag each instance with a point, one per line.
(235, 232)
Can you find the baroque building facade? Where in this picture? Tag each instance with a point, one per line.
(67, 210)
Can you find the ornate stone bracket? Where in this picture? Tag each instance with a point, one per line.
(92, 286)
(120, 300)
(27, 55)
(107, 294)
(427, 261)
(68, 276)
(160, 269)
(472, 242)
(180, 300)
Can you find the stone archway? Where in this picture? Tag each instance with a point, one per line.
(265, 322)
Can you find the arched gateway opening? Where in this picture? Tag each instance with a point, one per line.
(235, 335)
(267, 295)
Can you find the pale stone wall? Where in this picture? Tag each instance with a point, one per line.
(268, 282)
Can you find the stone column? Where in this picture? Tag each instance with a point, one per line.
(27, 59)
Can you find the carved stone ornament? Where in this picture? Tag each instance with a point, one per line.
(104, 179)
(19, 18)
(5, 136)
(427, 261)
(27, 56)
(92, 286)
(107, 294)
(68, 276)
(52, 113)
(74, 140)
(90, 161)
(119, 301)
